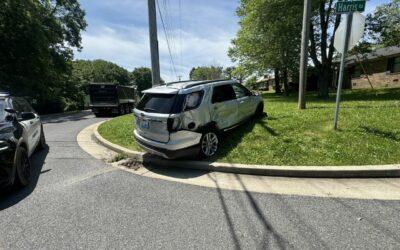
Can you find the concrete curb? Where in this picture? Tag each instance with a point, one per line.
(367, 171)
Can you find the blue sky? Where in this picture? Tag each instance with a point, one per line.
(118, 32)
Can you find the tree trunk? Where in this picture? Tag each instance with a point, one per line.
(324, 81)
(285, 82)
(277, 82)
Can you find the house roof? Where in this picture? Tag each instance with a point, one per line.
(383, 52)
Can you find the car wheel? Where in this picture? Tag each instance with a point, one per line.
(209, 144)
(259, 111)
(23, 167)
(42, 141)
(121, 110)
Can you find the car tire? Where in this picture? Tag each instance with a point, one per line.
(42, 142)
(121, 110)
(23, 167)
(209, 144)
(259, 111)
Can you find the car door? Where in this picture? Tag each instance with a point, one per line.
(246, 106)
(30, 121)
(224, 106)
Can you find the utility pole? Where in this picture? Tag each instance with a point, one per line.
(155, 58)
(346, 39)
(304, 53)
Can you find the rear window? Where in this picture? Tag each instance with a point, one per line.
(161, 103)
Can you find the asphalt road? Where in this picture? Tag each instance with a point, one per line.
(77, 201)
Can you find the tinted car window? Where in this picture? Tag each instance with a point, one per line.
(157, 103)
(239, 92)
(223, 93)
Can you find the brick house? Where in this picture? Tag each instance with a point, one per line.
(382, 67)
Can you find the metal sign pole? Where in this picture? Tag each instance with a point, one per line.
(342, 63)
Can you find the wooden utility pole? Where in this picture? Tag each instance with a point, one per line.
(155, 58)
(304, 53)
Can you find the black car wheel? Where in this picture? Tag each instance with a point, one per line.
(42, 141)
(259, 111)
(23, 167)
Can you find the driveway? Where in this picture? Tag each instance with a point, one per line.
(77, 201)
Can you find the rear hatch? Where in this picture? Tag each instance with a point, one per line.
(153, 113)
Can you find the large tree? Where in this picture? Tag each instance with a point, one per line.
(383, 25)
(269, 37)
(37, 38)
(323, 26)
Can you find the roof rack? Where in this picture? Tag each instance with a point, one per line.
(204, 82)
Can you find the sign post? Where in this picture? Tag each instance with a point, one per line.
(345, 7)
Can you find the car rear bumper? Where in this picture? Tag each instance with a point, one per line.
(187, 145)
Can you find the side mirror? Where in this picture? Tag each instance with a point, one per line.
(11, 111)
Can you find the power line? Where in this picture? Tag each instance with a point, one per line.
(167, 38)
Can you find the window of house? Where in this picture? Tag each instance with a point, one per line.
(394, 65)
(356, 72)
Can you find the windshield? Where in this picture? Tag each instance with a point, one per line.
(2, 111)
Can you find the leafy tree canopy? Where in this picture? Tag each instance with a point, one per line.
(37, 38)
(141, 77)
(206, 73)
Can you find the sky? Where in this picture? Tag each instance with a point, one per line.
(199, 33)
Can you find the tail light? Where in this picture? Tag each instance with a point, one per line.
(173, 124)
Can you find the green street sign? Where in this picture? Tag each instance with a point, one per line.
(350, 6)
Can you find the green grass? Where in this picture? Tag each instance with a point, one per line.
(369, 132)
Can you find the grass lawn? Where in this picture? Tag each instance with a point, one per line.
(369, 132)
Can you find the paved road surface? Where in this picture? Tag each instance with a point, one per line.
(77, 201)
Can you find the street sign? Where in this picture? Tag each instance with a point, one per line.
(357, 32)
(349, 6)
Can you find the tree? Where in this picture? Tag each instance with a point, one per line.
(37, 39)
(141, 77)
(322, 33)
(383, 26)
(269, 37)
(206, 73)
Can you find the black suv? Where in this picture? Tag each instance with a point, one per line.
(21, 132)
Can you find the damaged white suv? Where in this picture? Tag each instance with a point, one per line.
(186, 118)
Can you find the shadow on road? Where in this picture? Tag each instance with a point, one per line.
(11, 196)
(60, 118)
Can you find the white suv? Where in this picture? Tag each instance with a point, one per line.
(185, 118)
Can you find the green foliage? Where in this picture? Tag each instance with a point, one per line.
(120, 131)
(251, 83)
(36, 45)
(269, 35)
(141, 77)
(384, 24)
(85, 72)
(206, 73)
